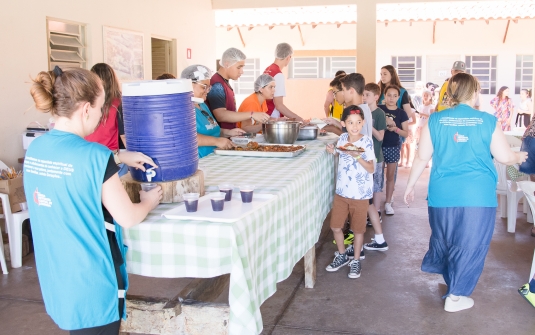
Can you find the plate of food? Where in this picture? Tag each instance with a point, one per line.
(253, 149)
(351, 147)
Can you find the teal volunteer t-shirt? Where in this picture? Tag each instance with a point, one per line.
(463, 174)
(206, 125)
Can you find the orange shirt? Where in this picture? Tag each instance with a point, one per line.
(251, 104)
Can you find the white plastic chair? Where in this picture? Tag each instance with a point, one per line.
(2, 258)
(513, 195)
(14, 230)
(528, 187)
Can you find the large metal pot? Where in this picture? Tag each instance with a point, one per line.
(281, 132)
(308, 133)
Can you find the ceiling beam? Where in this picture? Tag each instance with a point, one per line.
(241, 37)
(434, 28)
(301, 34)
(237, 4)
(506, 30)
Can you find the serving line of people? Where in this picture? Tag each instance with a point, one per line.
(69, 213)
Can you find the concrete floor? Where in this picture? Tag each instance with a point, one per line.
(391, 297)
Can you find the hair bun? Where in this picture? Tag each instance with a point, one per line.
(42, 91)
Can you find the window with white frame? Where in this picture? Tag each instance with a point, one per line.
(409, 69)
(251, 71)
(66, 44)
(320, 67)
(524, 73)
(484, 69)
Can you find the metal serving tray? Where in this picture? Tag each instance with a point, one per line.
(262, 153)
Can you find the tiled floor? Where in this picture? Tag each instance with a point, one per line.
(391, 297)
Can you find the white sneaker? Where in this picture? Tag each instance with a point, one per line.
(388, 208)
(460, 304)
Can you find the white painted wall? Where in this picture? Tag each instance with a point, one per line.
(306, 96)
(24, 49)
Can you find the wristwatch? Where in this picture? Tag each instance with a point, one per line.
(116, 157)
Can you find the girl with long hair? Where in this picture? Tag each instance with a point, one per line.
(503, 108)
(107, 131)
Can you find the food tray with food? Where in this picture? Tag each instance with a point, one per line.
(233, 210)
(351, 147)
(253, 149)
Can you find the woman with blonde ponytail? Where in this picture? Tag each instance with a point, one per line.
(78, 252)
(462, 188)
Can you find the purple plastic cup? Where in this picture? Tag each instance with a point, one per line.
(246, 192)
(148, 186)
(227, 189)
(218, 201)
(191, 200)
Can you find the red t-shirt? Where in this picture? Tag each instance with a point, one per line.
(272, 70)
(107, 133)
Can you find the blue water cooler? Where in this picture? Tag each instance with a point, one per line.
(159, 121)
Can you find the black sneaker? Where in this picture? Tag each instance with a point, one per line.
(354, 269)
(338, 262)
(376, 246)
(350, 252)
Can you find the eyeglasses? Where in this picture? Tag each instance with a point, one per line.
(207, 88)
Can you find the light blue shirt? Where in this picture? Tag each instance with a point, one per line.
(463, 174)
(63, 177)
(206, 125)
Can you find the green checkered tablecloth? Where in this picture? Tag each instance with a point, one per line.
(258, 251)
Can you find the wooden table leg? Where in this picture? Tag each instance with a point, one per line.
(310, 268)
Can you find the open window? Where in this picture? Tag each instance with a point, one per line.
(66, 44)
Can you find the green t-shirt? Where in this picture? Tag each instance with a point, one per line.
(379, 123)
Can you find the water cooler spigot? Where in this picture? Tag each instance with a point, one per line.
(150, 173)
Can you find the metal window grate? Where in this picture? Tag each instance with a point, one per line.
(409, 69)
(251, 71)
(484, 69)
(524, 73)
(320, 67)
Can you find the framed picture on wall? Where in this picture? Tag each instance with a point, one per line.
(123, 51)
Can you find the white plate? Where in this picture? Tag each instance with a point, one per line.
(233, 210)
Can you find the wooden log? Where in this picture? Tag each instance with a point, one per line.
(151, 316)
(172, 190)
(310, 267)
(203, 289)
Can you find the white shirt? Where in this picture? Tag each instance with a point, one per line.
(368, 125)
(353, 181)
(280, 91)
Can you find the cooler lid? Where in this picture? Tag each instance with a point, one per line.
(156, 87)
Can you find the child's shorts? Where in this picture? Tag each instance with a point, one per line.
(357, 210)
(378, 176)
(391, 154)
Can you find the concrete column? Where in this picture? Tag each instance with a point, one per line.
(366, 39)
